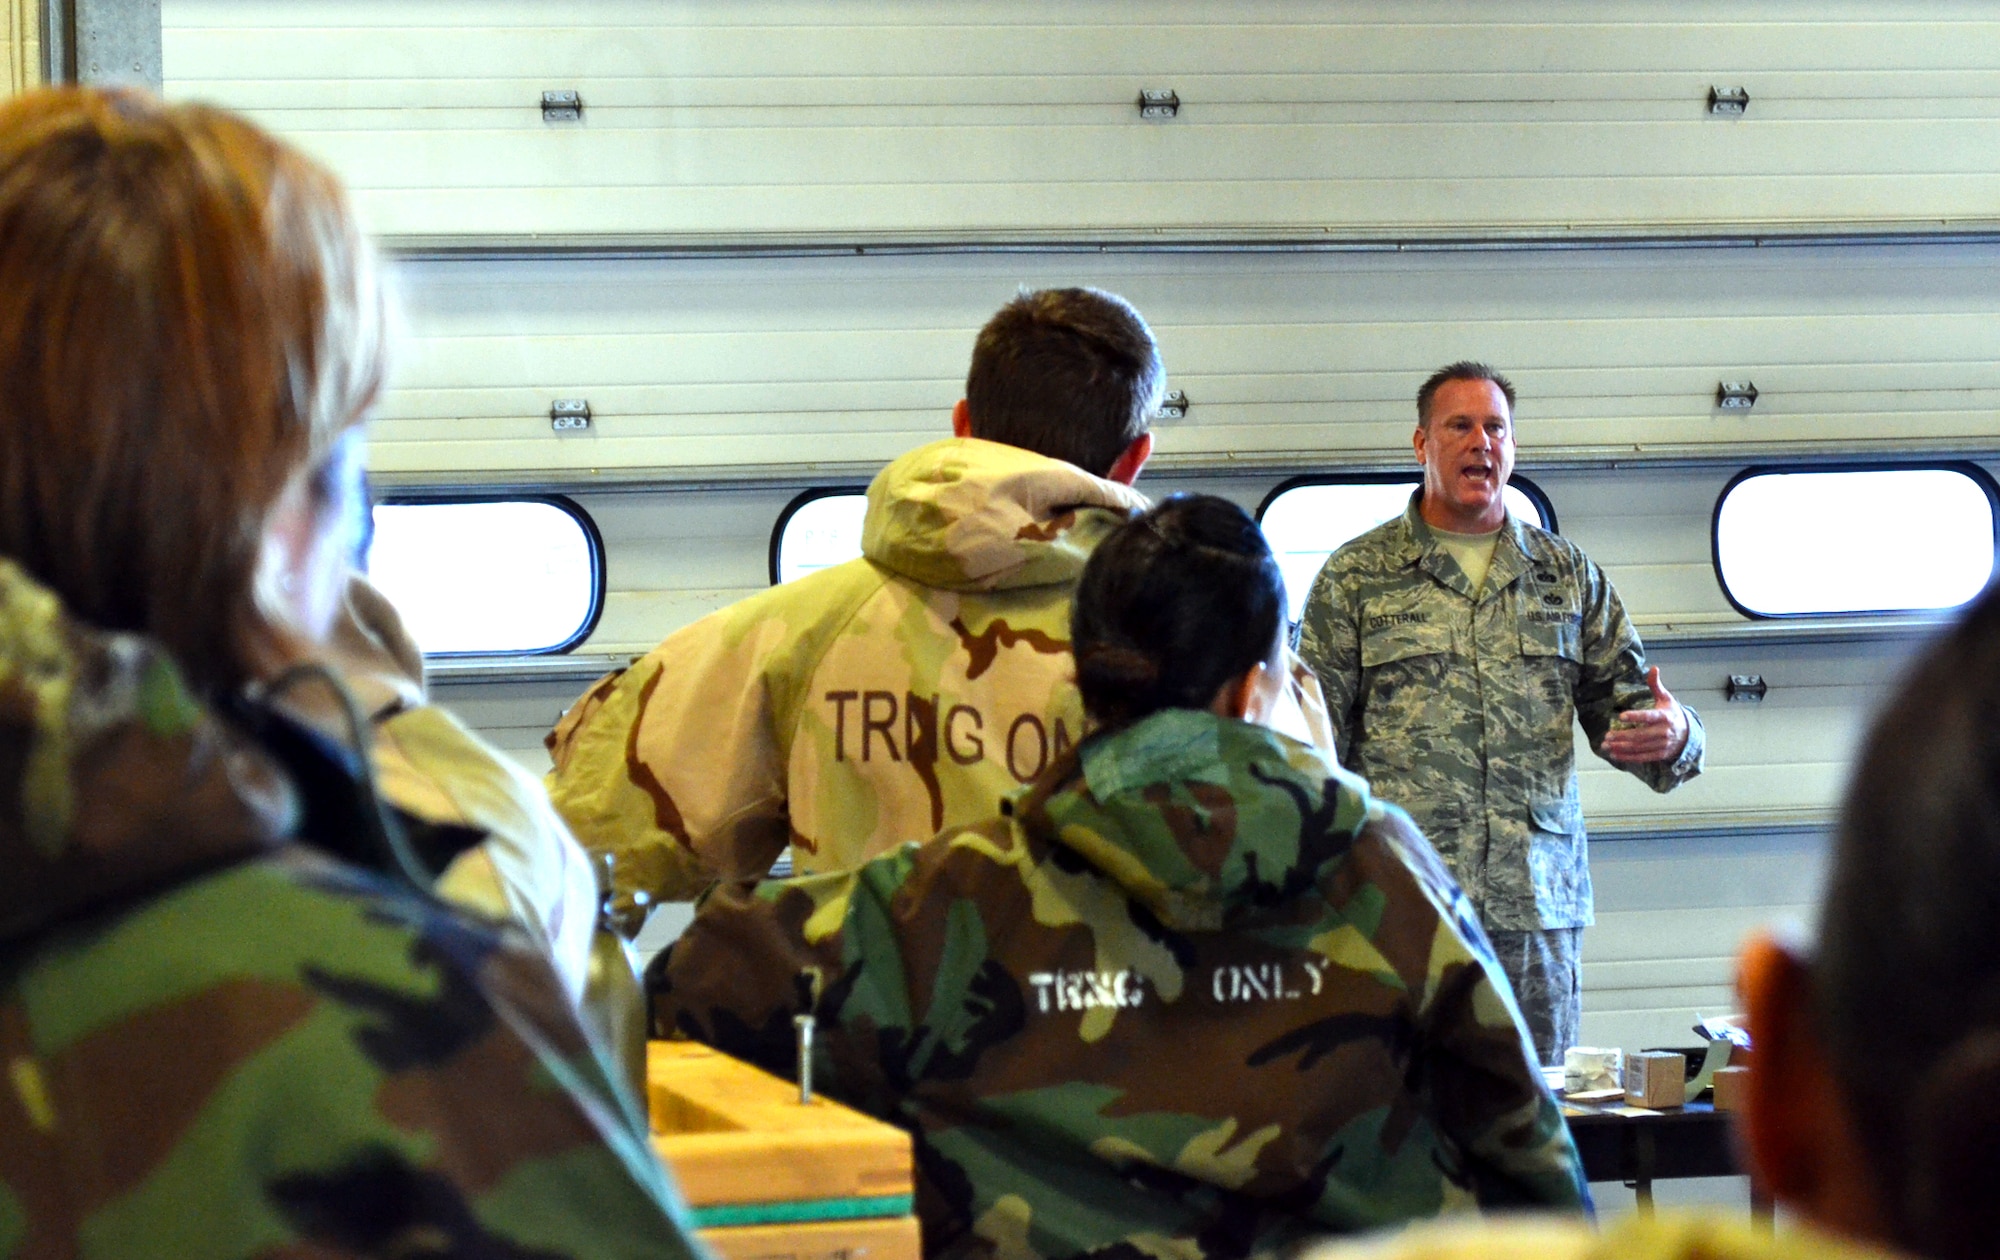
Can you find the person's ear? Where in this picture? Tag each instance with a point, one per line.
(961, 419)
(1417, 442)
(1795, 1126)
(1771, 980)
(1250, 697)
(1126, 468)
(1237, 697)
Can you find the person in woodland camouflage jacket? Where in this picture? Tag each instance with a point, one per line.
(222, 1044)
(1457, 648)
(192, 340)
(1193, 993)
(215, 1038)
(880, 700)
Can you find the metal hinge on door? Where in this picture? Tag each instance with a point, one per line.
(562, 106)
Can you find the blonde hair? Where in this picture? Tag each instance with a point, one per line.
(192, 318)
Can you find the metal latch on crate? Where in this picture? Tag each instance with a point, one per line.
(569, 415)
(1173, 407)
(1731, 102)
(1159, 103)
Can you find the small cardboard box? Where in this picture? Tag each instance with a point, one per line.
(1729, 1088)
(1656, 1078)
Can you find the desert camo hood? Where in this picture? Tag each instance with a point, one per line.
(969, 515)
(113, 780)
(1202, 819)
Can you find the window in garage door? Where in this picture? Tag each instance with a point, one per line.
(1802, 542)
(817, 530)
(516, 576)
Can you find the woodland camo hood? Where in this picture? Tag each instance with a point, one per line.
(113, 780)
(1202, 819)
(970, 515)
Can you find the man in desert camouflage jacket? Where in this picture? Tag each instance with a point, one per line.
(1457, 648)
(218, 1043)
(883, 699)
(1195, 994)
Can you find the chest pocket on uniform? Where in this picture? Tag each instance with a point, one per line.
(1406, 666)
(1552, 660)
(1554, 633)
(1393, 640)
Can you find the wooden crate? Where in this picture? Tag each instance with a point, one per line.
(882, 1238)
(769, 1178)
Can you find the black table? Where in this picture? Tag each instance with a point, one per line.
(1690, 1141)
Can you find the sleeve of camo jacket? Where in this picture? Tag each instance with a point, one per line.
(1612, 679)
(1486, 1090)
(363, 1074)
(674, 765)
(546, 1151)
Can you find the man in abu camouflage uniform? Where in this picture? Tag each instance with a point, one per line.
(1195, 994)
(883, 699)
(1457, 646)
(220, 1043)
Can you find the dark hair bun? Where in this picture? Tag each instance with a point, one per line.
(1105, 668)
(1180, 601)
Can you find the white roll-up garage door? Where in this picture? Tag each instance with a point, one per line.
(825, 126)
(771, 120)
(695, 369)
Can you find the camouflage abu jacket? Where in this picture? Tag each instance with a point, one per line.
(858, 707)
(1196, 995)
(217, 1044)
(1461, 710)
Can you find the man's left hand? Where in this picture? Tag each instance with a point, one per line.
(1655, 734)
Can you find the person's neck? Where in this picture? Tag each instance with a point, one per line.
(270, 648)
(1439, 516)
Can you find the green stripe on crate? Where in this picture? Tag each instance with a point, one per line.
(791, 1211)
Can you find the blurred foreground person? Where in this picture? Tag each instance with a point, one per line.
(217, 1040)
(191, 337)
(1192, 993)
(219, 1043)
(1873, 1108)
